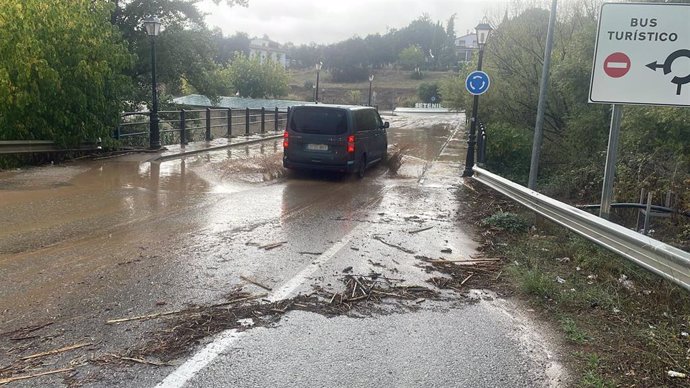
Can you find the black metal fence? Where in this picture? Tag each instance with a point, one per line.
(184, 126)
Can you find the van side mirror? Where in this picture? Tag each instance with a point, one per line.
(386, 125)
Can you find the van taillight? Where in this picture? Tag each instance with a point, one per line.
(285, 139)
(351, 144)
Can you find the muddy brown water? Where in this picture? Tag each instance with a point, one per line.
(88, 241)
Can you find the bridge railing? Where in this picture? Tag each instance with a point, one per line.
(184, 126)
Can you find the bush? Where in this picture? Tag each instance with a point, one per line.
(509, 151)
(510, 222)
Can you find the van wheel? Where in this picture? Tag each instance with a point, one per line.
(362, 167)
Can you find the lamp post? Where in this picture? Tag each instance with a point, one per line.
(318, 70)
(483, 30)
(153, 28)
(371, 79)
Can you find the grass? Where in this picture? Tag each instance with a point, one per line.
(601, 303)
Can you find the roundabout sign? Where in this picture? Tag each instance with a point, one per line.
(477, 83)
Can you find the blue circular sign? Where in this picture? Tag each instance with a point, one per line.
(477, 82)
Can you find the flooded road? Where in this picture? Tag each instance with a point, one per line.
(90, 241)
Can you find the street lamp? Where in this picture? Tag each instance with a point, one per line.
(483, 30)
(153, 28)
(318, 70)
(371, 79)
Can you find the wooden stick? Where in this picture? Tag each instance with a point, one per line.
(26, 377)
(56, 351)
(142, 361)
(419, 230)
(26, 330)
(270, 246)
(157, 315)
(467, 278)
(254, 282)
(239, 300)
(379, 238)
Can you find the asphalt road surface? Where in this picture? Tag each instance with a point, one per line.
(91, 241)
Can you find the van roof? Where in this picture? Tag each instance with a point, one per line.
(323, 106)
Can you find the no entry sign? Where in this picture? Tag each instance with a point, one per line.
(617, 65)
(642, 55)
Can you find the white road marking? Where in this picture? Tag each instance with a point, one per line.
(185, 372)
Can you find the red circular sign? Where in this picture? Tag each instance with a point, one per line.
(617, 65)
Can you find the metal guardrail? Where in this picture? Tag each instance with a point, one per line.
(31, 146)
(660, 258)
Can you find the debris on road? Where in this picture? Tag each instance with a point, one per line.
(379, 238)
(8, 380)
(184, 311)
(420, 230)
(254, 282)
(137, 360)
(23, 333)
(274, 245)
(56, 351)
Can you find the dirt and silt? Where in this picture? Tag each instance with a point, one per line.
(165, 289)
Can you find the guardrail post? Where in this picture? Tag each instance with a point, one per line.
(263, 119)
(481, 144)
(208, 124)
(275, 119)
(246, 122)
(229, 122)
(183, 127)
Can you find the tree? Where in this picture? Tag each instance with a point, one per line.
(411, 57)
(61, 66)
(185, 48)
(254, 79)
(428, 92)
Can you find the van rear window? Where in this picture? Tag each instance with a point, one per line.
(319, 121)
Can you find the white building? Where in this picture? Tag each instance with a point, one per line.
(466, 45)
(267, 49)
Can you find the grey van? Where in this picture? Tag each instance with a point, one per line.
(340, 138)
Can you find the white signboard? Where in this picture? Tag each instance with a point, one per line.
(642, 55)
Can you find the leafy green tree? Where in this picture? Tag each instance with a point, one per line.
(254, 79)
(61, 66)
(186, 49)
(411, 57)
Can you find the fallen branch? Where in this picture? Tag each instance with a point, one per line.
(466, 279)
(254, 282)
(234, 301)
(56, 351)
(379, 238)
(142, 361)
(157, 315)
(270, 246)
(26, 377)
(420, 230)
(26, 330)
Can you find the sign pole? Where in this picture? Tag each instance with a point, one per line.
(539, 125)
(611, 156)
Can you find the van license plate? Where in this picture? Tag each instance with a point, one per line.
(317, 147)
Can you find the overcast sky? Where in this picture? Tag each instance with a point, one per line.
(330, 21)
